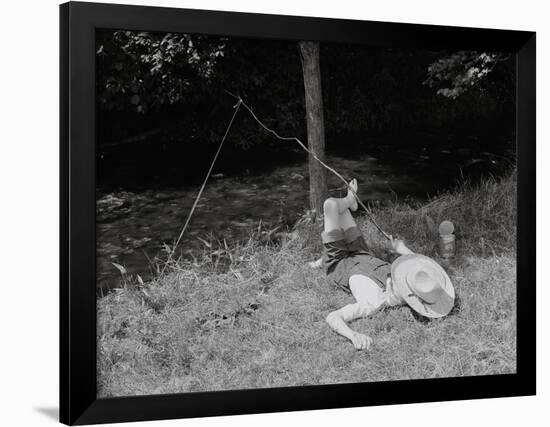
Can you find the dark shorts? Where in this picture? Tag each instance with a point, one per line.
(346, 253)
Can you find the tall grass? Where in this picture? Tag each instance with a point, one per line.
(252, 315)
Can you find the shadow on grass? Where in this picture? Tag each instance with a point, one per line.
(457, 308)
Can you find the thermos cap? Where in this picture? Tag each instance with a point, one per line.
(446, 228)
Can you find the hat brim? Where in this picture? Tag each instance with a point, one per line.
(399, 269)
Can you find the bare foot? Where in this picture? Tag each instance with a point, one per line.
(315, 264)
(352, 201)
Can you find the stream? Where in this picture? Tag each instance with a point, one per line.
(134, 226)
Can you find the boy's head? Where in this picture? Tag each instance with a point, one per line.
(423, 284)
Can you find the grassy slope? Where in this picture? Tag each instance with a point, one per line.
(253, 315)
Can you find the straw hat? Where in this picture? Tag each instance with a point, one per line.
(423, 284)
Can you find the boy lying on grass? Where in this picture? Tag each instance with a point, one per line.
(411, 279)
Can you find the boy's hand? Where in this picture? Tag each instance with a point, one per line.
(399, 246)
(361, 341)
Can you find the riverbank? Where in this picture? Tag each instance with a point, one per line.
(252, 315)
(133, 227)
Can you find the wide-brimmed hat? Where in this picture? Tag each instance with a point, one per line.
(423, 284)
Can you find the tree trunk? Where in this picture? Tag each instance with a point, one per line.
(309, 52)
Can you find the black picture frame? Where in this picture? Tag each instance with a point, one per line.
(78, 402)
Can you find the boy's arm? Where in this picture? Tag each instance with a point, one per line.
(337, 321)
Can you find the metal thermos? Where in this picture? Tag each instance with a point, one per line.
(447, 247)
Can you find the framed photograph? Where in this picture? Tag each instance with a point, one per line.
(266, 213)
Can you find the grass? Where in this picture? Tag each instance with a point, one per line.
(253, 315)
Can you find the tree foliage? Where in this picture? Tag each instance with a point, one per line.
(459, 72)
(143, 70)
(178, 83)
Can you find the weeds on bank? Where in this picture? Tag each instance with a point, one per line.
(252, 315)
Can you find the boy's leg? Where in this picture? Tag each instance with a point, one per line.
(333, 231)
(336, 210)
(337, 214)
(337, 220)
(346, 220)
(331, 214)
(352, 234)
(348, 202)
(333, 237)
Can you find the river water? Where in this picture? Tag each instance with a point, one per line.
(133, 227)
